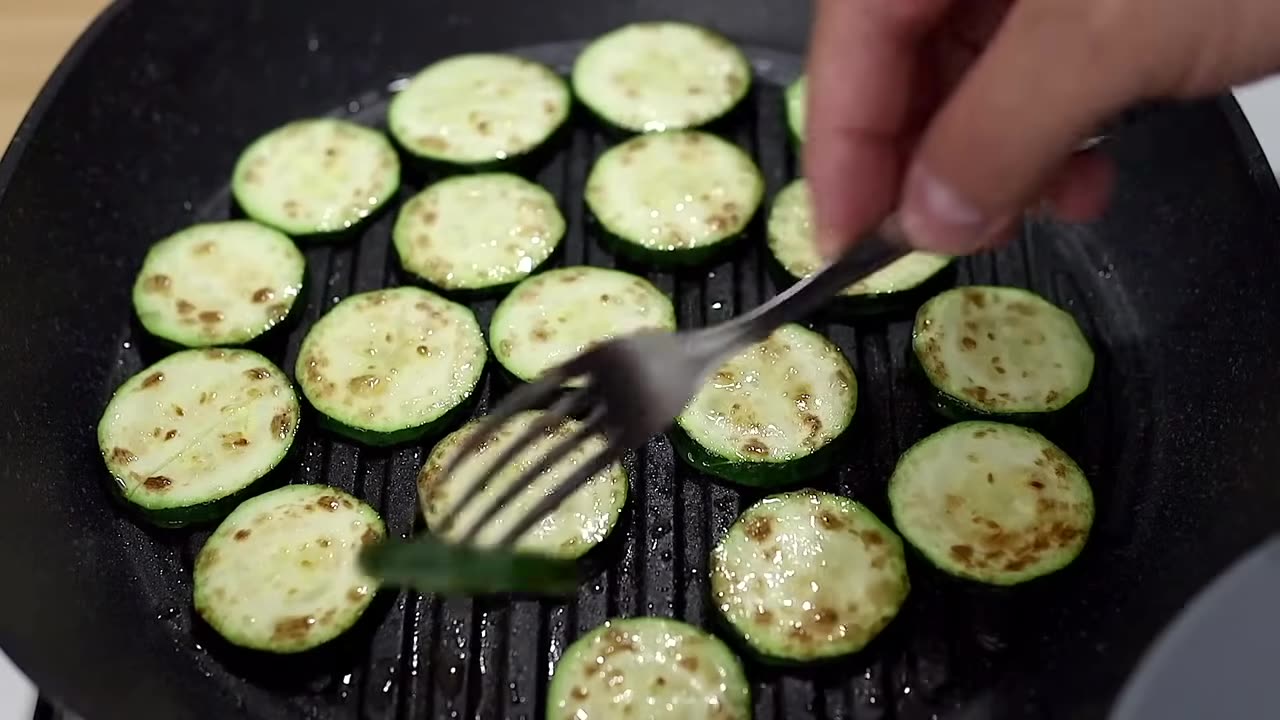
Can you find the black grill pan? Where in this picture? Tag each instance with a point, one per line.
(135, 136)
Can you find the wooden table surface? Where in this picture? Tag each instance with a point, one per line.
(33, 36)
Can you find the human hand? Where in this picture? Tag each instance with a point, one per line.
(959, 114)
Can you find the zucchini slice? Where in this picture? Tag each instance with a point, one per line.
(581, 522)
(219, 283)
(187, 436)
(478, 109)
(674, 198)
(553, 316)
(648, 667)
(766, 417)
(808, 575)
(654, 76)
(282, 573)
(991, 502)
(1001, 351)
(389, 366)
(476, 232)
(792, 240)
(317, 176)
(795, 97)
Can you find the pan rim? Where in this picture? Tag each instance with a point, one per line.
(52, 86)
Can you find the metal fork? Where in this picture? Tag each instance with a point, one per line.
(633, 387)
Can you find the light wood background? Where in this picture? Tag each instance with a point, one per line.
(33, 36)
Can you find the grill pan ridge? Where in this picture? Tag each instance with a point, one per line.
(417, 656)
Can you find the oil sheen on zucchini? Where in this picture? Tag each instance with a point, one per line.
(185, 437)
(674, 197)
(808, 575)
(654, 76)
(388, 366)
(991, 502)
(281, 573)
(318, 176)
(553, 316)
(792, 240)
(1001, 351)
(219, 283)
(475, 232)
(648, 667)
(581, 522)
(478, 109)
(765, 417)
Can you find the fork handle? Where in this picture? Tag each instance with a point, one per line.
(872, 253)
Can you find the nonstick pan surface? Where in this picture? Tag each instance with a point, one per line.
(135, 136)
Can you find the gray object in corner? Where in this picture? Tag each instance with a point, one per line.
(1221, 657)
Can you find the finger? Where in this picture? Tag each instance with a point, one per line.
(861, 71)
(1049, 77)
(1080, 191)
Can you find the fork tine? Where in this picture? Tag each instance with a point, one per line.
(567, 487)
(562, 409)
(590, 426)
(524, 397)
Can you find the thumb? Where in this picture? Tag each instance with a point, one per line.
(1049, 77)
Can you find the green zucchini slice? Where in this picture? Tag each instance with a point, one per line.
(675, 197)
(648, 667)
(318, 176)
(767, 415)
(796, 97)
(654, 76)
(185, 438)
(808, 575)
(1001, 351)
(792, 240)
(478, 232)
(553, 316)
(389, 366)
(479, 109)
(281, 573)
(219, 283)
(991, 502)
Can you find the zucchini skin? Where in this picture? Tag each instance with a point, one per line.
(763, 475)
(208, 512)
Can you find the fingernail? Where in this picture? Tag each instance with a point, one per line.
(937, 218)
